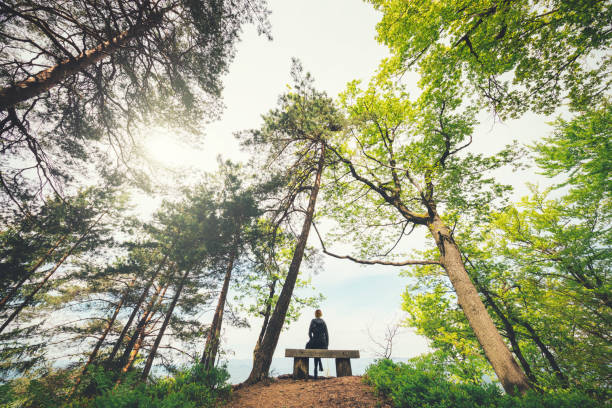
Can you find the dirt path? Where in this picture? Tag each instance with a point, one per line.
(344, 392)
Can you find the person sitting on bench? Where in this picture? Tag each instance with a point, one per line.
(319, 337)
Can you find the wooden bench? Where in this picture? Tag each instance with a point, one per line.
(301, 356)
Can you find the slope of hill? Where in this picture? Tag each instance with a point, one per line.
(344, 392)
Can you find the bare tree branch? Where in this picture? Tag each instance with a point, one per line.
(374, 262)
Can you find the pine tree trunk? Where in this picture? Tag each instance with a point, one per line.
(509, 373)
(14, 290)
(151, 357)
(264, 325)
(212, 341)
(263, 355)
(139, 338)
(266, 315)
(133, 346)
(96, 349)
(141, 299)
(50, 77)
(29, 298)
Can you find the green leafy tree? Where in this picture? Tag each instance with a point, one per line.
(191, 229)
(541, 267)
(150, 294)
(580, 151)
(81, 219)
(513, 55)
(404, 163)
(558, 252)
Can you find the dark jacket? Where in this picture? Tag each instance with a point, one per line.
(319, 338)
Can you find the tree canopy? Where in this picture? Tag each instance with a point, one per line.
(79, 78)
(513, 55)
(106, 283)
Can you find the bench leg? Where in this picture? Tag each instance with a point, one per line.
(343, 367)
(300, 368)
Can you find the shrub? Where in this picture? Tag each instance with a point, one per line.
(413, 386)
(190, 388)
(46, 389)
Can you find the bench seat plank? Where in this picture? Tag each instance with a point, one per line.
(321, 353)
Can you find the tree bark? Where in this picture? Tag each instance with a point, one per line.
(509, 373)
(212, 341)
(266, 314)
(151, 357)
(141, 299)
(263, 355)
(14, 290)
(29, 298)
(139, 338)
(133, 346)
(50, 77)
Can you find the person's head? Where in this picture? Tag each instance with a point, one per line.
(318, 313)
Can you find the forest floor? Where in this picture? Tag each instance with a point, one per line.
(283, 392)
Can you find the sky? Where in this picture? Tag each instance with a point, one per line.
(335, 40)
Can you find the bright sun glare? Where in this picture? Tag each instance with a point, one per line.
(161, 147)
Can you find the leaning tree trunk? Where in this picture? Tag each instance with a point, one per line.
(266, 313)
(151, 357)
(139, 337)
(30, 297)
(141, 299)
(212, 341)
(139, 340)
(96, 349)
(50, 77)
(266, 316)
(133, 346)
(509, 373)
(263, 355)
(511, 333)
(545, 351)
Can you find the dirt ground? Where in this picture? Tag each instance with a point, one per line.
(343, 392)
